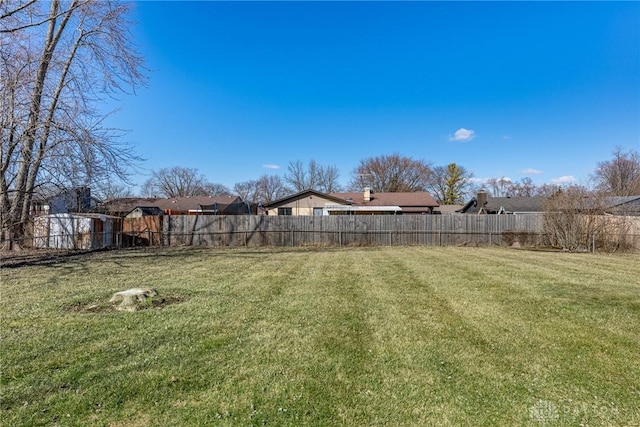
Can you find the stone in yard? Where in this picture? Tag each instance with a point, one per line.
(128, 299)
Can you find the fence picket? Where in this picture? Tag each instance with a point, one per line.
(374, 230)
(343, 230)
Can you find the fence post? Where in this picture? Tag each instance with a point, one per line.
(432, 231)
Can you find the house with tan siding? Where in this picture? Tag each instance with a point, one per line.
(311, 202)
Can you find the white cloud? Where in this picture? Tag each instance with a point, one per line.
(478, 180)
(463, 134)
(268, 166)
(531, 171)
(566, 179)
(487, 182)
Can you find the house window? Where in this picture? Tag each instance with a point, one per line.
(284, 211)
(317, 211)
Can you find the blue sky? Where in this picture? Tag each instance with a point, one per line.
(505, 89)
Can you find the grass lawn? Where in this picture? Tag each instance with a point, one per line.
(359, 336)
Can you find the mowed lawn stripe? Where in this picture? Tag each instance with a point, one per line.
(546, 339)
(457, 350)
(316, 336)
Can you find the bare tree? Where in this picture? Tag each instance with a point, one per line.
(265, 189)
(505, 187)
(214, 189)
(523, 188)
(57, 59)
(112, 190)
(270, 188)
(619, 176)
(391, 173)
(179, 182)
(547, 190)
(300, 177)
(499, 187)
(449, 184)
(247, 191)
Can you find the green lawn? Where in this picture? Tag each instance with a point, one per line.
(359, 336)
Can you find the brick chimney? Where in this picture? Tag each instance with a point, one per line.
(481, 199)
(367, 194)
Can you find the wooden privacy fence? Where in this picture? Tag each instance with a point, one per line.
(142, 231)
(374, 230)
(387, 230)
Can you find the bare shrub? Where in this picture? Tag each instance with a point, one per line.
(616, 233)
(524, 238)
(575, 220)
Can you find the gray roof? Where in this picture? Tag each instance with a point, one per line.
(620, 200)
(507, 205)
(629, 205)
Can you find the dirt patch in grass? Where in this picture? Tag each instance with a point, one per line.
(99, 306)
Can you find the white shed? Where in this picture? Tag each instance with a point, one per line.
(75, 231)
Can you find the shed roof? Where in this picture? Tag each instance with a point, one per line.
(91, 215)
(148, 210)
